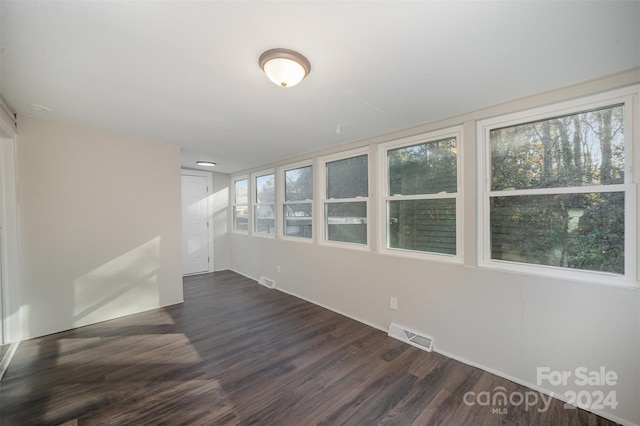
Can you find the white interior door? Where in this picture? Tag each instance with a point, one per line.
(195, 229)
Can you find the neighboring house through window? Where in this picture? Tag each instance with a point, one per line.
(240, 205)
(421, 195)
(557, 189)
(264, 204)
(297, 205)
(346, 196)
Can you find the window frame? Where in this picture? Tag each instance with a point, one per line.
(253, 202)
(323, 200)
(385, 196)
(282, 202)
(234, 204)
(628, 97)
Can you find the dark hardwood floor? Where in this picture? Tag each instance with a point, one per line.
(3, 351)
(238, 353)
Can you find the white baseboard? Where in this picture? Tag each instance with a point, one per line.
(498, 373)
(532, 386)
(360, 320)
(6, 359)
(344, 314)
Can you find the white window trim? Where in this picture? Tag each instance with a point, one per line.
(628, 97)
(233, 203)
(322, 177)
(253, 204)
(383, 185)
(280, 183)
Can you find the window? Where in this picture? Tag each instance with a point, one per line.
(240, 205)
(297, 207)
(263, 204)
(558, 190)
(346, 198)
(421, 197)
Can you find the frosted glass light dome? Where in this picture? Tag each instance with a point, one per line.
(284, 67)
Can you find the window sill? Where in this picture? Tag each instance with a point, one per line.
(297, 239)
(594, 277)
(345, 245)
(271, 236)
(418, 255)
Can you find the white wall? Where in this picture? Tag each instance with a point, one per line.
(504, 322)
(220, 202)
(99, 225)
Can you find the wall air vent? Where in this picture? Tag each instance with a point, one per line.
(411, 337)
(267, 282)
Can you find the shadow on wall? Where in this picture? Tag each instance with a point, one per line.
(219, 212)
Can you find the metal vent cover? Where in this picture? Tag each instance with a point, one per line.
(267, 282)
(411, 337)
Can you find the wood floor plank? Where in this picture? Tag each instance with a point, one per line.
(237, 353)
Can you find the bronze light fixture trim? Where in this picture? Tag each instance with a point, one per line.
(285, 67)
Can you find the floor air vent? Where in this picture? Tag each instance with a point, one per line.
(267, 282)
(411, 337)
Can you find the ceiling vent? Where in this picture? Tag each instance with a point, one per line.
(411, 337)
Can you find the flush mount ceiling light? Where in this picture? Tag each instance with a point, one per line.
(284, 67)
(206, 163)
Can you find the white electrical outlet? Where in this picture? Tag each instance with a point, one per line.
(278, 269)
(393, 303)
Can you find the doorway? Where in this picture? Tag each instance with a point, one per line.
(10, 302)
(197, 232)
(10, 327)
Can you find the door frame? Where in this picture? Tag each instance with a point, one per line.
(10, 280)
(209, 176)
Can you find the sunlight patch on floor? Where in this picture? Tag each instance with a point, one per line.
(142, 350)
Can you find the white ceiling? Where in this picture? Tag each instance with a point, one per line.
(186, 72)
